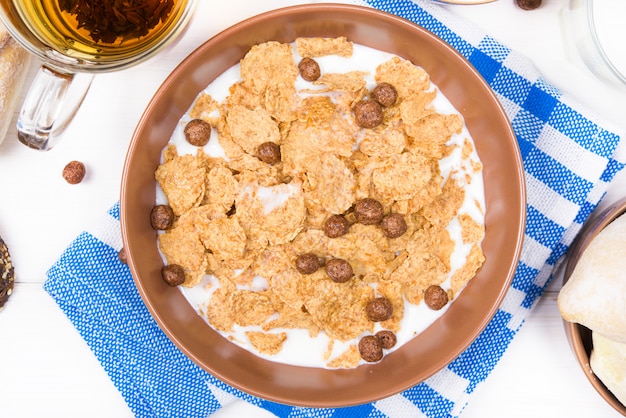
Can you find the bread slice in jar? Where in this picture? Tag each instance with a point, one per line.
(595, 294)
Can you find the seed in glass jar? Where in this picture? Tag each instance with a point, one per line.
(269, 153)
(173, 274)
(528, 4)
(307, 263)
(370, 349)
(435, 297)
(74, 172)
(309, 69)
(339, 271)
(385, 94)
(387, 338)
(368, 211)
(379, 309)
(108, 21)
(393, 225)
(336, 226)
(368, 114)
(197, 132)
(161, 217)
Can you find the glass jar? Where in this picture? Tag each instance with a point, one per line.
(597, 30)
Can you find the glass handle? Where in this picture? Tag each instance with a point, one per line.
(50, 105)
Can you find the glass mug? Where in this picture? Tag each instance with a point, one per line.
(75, 39)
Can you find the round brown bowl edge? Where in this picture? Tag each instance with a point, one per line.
(419, 359)
(578, 336)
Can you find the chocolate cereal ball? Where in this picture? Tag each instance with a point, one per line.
(309, 69)
(379, 309)
(308, 263)
(370, 349)
(435, 297)
(339, 271)
(385, 94)
(368, 114)
(528, 4)
(393, 225)
(122, 256)
(173, 274)
(387, 339)
(197, 132)
(368, 211)
(269, 153)
(161, 217)
(74, 172)
(336, 226)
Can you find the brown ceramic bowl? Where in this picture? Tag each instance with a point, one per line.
(439, 344)
(578, 335)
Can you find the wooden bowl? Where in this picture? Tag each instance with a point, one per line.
(578, 335)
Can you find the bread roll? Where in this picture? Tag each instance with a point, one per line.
(595, 294)
(608, 362)
(13, 67)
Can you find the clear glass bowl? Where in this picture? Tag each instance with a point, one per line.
(597, 30)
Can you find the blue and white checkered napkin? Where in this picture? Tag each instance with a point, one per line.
(569, 158)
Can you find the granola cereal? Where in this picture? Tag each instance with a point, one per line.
(305, 223)
(7, 274)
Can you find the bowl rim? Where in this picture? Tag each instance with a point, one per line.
(579, 336)
(520, 221)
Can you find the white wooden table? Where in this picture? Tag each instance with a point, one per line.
(45, 367)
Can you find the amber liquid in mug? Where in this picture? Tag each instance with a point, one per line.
(100, 30)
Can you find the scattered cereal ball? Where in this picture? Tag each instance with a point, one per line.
(121, 255)
(309, 69)
(74, 172)
(339, 270)
(161, 217)
(336, 226)
(385, 94)
(435, 297)
(379, 309)
(173, 274)
(307, 263)
(393, 225)
(528, 4)
(370, 349)
(197, 132)
(386, 338)
(269, 153)
(368, 114)
(368, 211)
